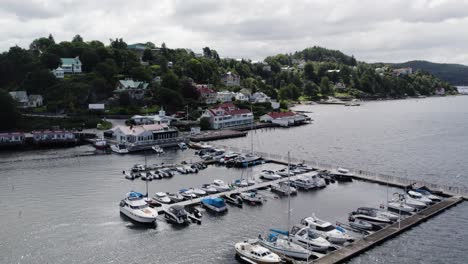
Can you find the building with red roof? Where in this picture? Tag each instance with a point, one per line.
(228, 115)
(207, 95)
(283, 118)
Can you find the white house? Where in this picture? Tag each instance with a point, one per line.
(403, 71)
(207, 95)
(230, 79)
(283, 118)
(161, 118)
(242, 97)
(225, 96)
(71, 65)
(228, 115)
(59, 73)
(260, 97)
(145, 134)
(135, 89)
(21, 97)
(49, 136)
(339, 86)
(35, 100)
(11, 138)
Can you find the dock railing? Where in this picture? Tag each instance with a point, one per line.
(372, 176)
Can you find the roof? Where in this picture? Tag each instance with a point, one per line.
(231, 73)
(229, 109)
(131, 84)
(205, 90)
(34, 97)
(70, 61)
(137, 46)
(276, 115)
(19, 95)
(135, 130)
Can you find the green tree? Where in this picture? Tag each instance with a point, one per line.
(325, 87)
(309, 72)
(8, 111)
(205, 123)
(77, 38)
(170, 81)
(118, 43)
(40, 45)
(147, 55)
(311, 89)
(107, 69)
(50, 60)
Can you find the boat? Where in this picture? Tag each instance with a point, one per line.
(233, 199)
(193, 214)
(208, 188)
(166, 172)
(220, 186)
(282, 246)
(361, 225)
(352, 104)
(213, 204)
(327, 230)
(176, 214)
(119, 148)
(188, 194)
(251, 181)
(269, 175)
(136, 208)
(157, 149)
(284, 172)
(400, 207)
(175, 197)
(146, 176)
(240, 183)
(251, 197)
(384, 213)
(252, 252)
(155, 175)
(309, 239)
(342, 170)
(303, 183)
(318, 182)
(418, 196)
(369, 215)
(161, 198)
(181, 169)
(228, 156)
(129, 175)
(198, 192)
(416, 203)
(428, 194)
(283, 188)
(182, 145)
(100, 144)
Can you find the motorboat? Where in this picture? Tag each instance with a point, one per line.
(240, 183)
(193, 214)
(213, 204)
(175, 197)
(155, 175)
(182, 145)
(410, 201)
(208, 188)
(384, 213)
(305, 167)
(284, 172)
(166, 172)
(146, 176)
(161, 198)
(129, 175)
(342, 170)
(176, 214)
(188, 194)
(197, 191)
(234, 199)
(157, 149)
(138, 168)
(327, 230)
(309, 239)
(119, 148)
(400, 207)
(418, 196)
(181, 169)
(277, 241)
(361, 225)
(283, 188)
(428, 194)
(251, 197)
(318, 182)
(100, 144)
(251, 181)
(220, 186)
(269, 175)
(369, 215)
(252, 252)
(189, 169)
(303, 183)
(228, 156)
(136, 208)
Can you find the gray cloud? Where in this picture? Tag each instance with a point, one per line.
(394, 30)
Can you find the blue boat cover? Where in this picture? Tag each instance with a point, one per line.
(339, 228)
(183, 190)
(272, 237)
(282, 232)
(133, 194)
(216, 202)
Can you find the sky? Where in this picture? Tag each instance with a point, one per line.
(371, 30)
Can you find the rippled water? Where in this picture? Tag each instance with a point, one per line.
(60, 207)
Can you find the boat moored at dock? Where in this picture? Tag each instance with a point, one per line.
(252, 252)
(216, 205)
(327, 230)
(136, 208)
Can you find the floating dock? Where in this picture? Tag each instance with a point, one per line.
(218, 134)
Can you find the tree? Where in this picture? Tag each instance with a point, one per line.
(141, 73)
(170, 81)
(77, 38)
(325, 86)
(40, 45)
(8, 111)
(50, 60)
(169, 98)
(118, 43)
(309, 72)
(39, 81)
(311, 89)
(205, 123)
(90, 59)
(207, 52)
(188, 90)
(107, 69)
(147, 55)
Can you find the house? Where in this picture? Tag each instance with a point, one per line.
(59, 73)
(403, 71)
(207, 95)
(135, 89)
(228, 115)
(333, 71)
(242, 97)
(139, 49)
(266, 68)
(339, 86)
(53, 136)
(283, 118)
(71, 65)
(97, 107)
(462, 89)
(35, 100)
(287, 69)
(8, 139)
(145, 134)
(230, 79)
(440, 91)
(160, 118)
(260, 97)
(21, 98)
(225, 96)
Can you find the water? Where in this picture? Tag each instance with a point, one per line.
(58, 207)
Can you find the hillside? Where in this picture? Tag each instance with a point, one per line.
(455, 74)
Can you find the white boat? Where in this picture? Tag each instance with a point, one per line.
(269, 175)
(213, 204)
(418, 196)
(182, 145)
(136, 208)
(188, 194)
(198, 192)
(157, 149)
(251, 181)
(429, 195)
(282, 246)
(416, 203)
(342, 170)
(176, 214)
(384, 213)
(284, 172)
(327, 230)
(208, 188)
(220, 186)
(369, 215)
(252, 252)
(318, 182)
(361, 225)
(251, 197)
(175, 197)
(283, 188)
(309, 239)
(100, 144)
(303, 183)
(398, 206)
(240, 183)
(119, 148)
(161, 198)
(181, 169)
(155, 175)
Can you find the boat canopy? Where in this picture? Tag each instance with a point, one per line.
(216, 202)
(282, 232)
(134, 195)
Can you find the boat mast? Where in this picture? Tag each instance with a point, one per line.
(147, 193)
(289, 199)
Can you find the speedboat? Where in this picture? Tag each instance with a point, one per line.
(157, 149)
(361, 225)
(251, 197)
(309, 239)
(369, 215)
(416, 203)
(384, 213)
(284, 172)
(129, 175)
(319, 182)
(228, 156)
(213, 204)
(119, 148)
(146, 176)
(208, 188)
(305, 167)
(269, 175)
(161, 198)
(189, 169)
(252, 252)
(327, 230)
(400, 206)
(282, 246)
(198, 192)
(428, 194)
(166, 173)
(420, 197)
(240, 183)
(155, 175)
(303, 183)
(233, 198)
(176, 214)
(182, 145)
(342, 170)
(136, 208)
(188, 194)
(283, 188)
(220, 186)
(193, 214)
(181, 170)
(139, 168)
(175, 197)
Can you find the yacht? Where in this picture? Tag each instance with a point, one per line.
(252, 252)
(157, 149)
(198, 192)
(282, 246)
(418, 196)
(316, 180)
(361, 225)
(155, 175)
(428, 194)
(175, 197)
(188, 194)
(384, 213)
(233, 198)
(176, 214)
(220, 186)
(400, 207)
(309, 239)
(251, 197)
(181, 169)
(325, 229)
(283, 188)
(369, 215)
(119, 148)
(240, 183)
(166, 172)
(269, 175)
(136, 208)
(213, 204)
(161, 198)
(129, 175)
(208, 188)
(417, 204)
(303, 183)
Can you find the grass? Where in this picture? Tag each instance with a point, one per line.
(104, 125)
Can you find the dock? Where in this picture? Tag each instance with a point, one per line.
(216, 135)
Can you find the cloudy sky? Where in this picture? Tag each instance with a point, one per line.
(391, 30)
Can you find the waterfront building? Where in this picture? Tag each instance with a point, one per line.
(339, 86)
(70, 65)
(144, 134)
(260, 97)
(242, 97)
(228, 115)
(225, 96)
(207, 95)
(283, 118)
(53, 136)
(230, 79)
(14, 138)
(135, 89)
(35, 100)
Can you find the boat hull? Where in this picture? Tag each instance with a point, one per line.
(286, 252)
(137, 218)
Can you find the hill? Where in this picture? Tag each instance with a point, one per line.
(455, 74)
